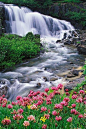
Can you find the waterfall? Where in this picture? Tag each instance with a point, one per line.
(40, 72)
(21, 20)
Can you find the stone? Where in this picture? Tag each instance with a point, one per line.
(70, 75)
(58, 41)
(75, 72)
(45, 79)
(81, 49)
(38, 85)
(67, 42)
(53, 79)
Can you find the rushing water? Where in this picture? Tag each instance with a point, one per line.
(40, 72)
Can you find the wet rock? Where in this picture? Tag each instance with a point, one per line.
(71, 62)
(38, 85)
(45, 79)
(4, 86)
(4, 91)
(62, 45)
(70, 75)
(65, 35)
(75, 72)
(58, 41)
(72, 84)
(67, 42)
(53, 79)
(81, 49)
(24, 80)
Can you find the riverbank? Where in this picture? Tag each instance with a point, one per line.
(14, 49)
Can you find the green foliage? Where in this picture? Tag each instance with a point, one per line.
(79, 17)
(78, 42)
(14, 49)
(74, 1)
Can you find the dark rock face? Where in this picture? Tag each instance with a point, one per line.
(82, 49)
(59, 10)
(4, 86)
(2, 30)
(81, 43)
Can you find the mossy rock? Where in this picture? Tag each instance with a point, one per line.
(29, 35)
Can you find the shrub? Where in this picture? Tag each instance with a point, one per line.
(14, 49)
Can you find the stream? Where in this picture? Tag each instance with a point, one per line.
(42, 71)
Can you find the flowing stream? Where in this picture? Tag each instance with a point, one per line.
(42, 71)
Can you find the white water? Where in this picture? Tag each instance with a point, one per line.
(56, 58)
(23, 20)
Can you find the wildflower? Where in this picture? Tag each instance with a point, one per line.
(58, 106)
(18, 97)
(33, 107)
(64, 103)
(4, 105)
(69, 119)
(43, 109)
(66, 90)
(10, 106)
(53, 88)
(48, 100)
(84, 115)
(20, 110)
(31, 118)
(54, 112)
(73, 105)
(84, 102)
(26, 123)
(14, 112)
(73, 110)
(43, 119)
(29, 106)
(80, 116)
(67, 93)
(39, 102)
(47, 116)
(60, 86)
(58, 118)
(81, 92)
(6, 121)
(44, 126)
(66, 99)
(13, 103)
(47, 89)
(4, 100)
(74, 96)
(74, 92)
(79, 100)
(48, 110)
(17, 117)
(3, 96)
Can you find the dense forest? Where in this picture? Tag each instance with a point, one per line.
(37, 3)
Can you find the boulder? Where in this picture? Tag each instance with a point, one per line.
(58, 41)
(81, 49)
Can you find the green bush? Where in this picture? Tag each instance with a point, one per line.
(14, 49)
(79, 17)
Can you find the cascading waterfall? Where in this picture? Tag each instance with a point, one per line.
(41, 72)
(22, 20)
